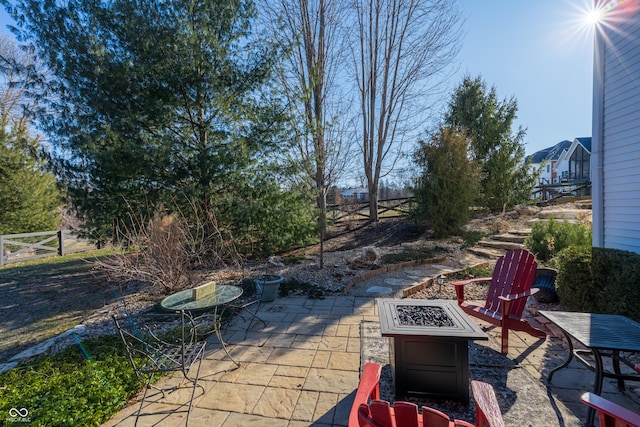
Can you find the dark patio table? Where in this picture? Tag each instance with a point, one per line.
(605, 335)
(431, 358)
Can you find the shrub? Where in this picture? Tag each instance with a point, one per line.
(616, 274)
(548, 238)
(599, 280)
(574, 282)
(471, 237)
(448, 182)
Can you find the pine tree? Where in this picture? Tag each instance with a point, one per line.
(448, 183)
(29, 198)
(477, 111)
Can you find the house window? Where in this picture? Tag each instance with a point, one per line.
(579, 164)
(548, 168)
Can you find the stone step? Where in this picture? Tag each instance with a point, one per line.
(520, 232)
(501, 245)
(509, 237)
(561, 214)
(485, 252)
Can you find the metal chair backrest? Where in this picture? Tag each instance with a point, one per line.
(159, 343)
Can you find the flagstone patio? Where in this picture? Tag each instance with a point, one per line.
(302, 369)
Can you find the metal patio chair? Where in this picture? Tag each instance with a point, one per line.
(161, 343)
(248, 305)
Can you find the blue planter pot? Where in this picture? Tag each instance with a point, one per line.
(269, 286)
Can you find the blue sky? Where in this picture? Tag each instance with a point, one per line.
(539, 51)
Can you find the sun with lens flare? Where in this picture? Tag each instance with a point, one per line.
(593, 17)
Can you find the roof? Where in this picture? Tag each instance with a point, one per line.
(586, 143)
(552, 153)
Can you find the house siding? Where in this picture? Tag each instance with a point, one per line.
(616, 132)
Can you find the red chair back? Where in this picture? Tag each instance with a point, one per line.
(514, 273)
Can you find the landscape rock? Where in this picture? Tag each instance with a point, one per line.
(527, 210)
(370, 254)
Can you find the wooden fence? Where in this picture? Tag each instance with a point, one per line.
(22, 247)
(352, 210)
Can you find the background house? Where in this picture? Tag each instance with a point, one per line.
(616, 127)
(359, 193)
(574, 164)
(565, 162)
(547, 160)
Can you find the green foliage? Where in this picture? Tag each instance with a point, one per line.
(599, 280)
(69, 389)
(448, 182)
(616, 274)
(268, 220)
(161, 103)
(29, 196)
(574, 282)
(547, 238)
(471, 237)
(505, 177)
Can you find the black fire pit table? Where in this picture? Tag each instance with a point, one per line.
(430, 347)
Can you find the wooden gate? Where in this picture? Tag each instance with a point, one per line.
(25, 246)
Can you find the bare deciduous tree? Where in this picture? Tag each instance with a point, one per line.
(311, 29)
(400, 49)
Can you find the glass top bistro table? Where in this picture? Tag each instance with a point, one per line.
(218, 299)
(605, 335)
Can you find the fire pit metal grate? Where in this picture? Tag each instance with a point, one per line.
(423, 315)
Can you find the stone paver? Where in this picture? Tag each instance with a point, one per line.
(303, 368)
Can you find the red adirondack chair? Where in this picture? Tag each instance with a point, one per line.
(379, 413)
(513, 276)
(369, 411)
(609, 413)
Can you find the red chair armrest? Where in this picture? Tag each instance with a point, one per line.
(521, 295)
(608, 412)
(460, 286)
(466, 282)
(487, 409)
(368, 388)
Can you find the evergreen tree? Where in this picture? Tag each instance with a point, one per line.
(29, 198)
(158, 102)
(448, 184)
(477, 111)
